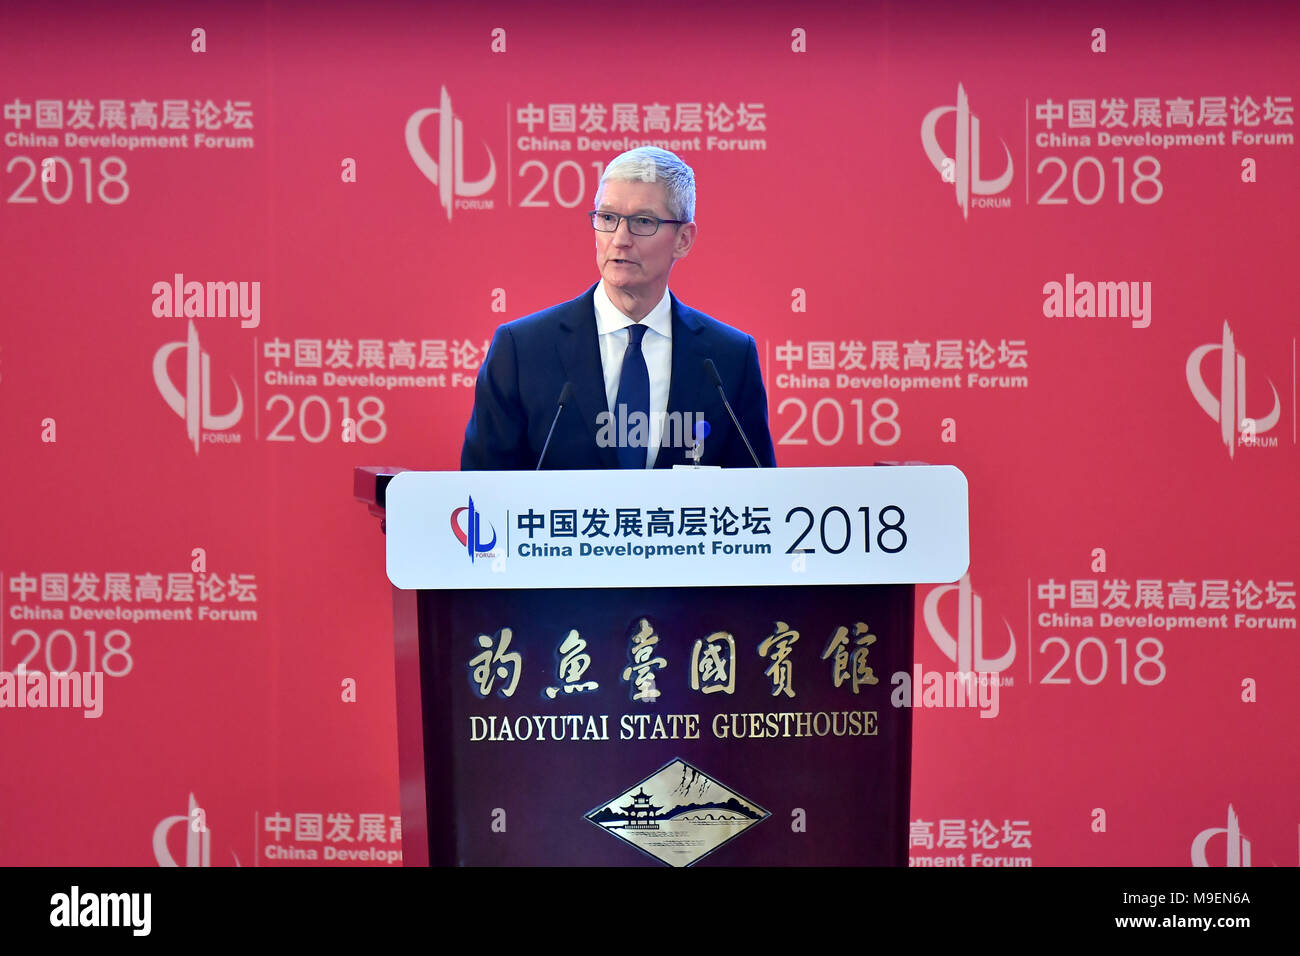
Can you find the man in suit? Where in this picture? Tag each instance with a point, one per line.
(633, 352)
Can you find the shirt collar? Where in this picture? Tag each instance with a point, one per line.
(609, 318)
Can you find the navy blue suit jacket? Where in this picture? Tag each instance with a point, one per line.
(531, 358)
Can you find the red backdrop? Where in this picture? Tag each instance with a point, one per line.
(1133, 563)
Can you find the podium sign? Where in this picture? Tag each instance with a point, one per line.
(679, 528)
(673, 667)
(624, 727)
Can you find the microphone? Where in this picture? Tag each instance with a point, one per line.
(566, 394)
(711, 371)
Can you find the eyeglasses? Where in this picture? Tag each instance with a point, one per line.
(637, 225)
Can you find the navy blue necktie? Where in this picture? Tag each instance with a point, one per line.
(633, 396)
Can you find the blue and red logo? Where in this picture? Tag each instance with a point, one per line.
(471, 536)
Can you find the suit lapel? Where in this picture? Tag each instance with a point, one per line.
(688, 390)
(579, 354)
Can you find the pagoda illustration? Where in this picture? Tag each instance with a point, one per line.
(640, 812)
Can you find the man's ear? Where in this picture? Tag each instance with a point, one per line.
(685, 240)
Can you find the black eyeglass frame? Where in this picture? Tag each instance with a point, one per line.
(619, 219)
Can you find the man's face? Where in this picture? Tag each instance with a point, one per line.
(639, 265)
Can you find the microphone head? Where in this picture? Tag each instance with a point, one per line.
(711, 371)
(566, 394)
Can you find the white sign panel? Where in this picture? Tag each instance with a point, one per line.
(678, 528)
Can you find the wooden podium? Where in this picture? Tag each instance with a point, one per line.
(644, 668)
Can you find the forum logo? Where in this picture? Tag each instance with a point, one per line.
(966, 648)
(1237, 850)
(1228, 408)
(194, 405)
(470, 535)
(963, 168)
(198, 839)
(448, 171)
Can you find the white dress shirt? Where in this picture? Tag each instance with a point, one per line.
(656, 346)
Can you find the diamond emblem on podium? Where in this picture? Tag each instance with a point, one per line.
(678, 814)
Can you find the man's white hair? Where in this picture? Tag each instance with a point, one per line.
(650, 164)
